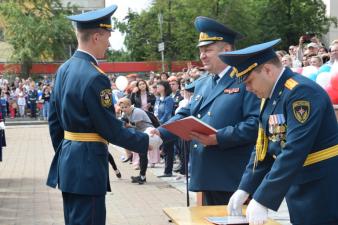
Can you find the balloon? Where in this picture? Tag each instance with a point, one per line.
(324, 68)
(324, 79)
(121, 83)
(333, 93)
(297, 70)
(334, 80)
(313, 76)
(309, 70)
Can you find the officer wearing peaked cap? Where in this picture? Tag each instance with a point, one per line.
(297, 146)
(218, 161)
(82, 121)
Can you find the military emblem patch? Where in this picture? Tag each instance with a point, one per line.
(301, 110)
(106, 98)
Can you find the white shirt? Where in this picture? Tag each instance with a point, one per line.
(221, 74)
(274, 86)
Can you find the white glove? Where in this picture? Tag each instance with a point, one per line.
(236, 202)
(256, 213)
(154, 140)
(2, 126)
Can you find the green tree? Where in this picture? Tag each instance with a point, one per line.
(38, 30)
(257, 20)
(290, 19)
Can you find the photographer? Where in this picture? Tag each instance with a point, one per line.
(136, 118)
(312, 45)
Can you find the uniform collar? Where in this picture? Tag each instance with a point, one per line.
(221, 74)
(274, 86)
(84, 54)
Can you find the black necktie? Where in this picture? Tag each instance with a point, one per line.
(214, 80)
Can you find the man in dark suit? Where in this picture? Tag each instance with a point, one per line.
(82, 121)
(217, 162)
(297, 145)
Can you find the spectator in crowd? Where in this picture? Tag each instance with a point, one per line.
(163, 111)
(333, 52)
(217, 161)
(32, 99)
(175, 91)
(136, 118)
(164, 76)
(316, 61)
(3, 104)
(296, 152)
(287, 61)
(281, 54)
(21, 99)
(142, 98)
(45, 99)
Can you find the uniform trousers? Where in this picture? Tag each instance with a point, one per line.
(216, 197)
(84, 209)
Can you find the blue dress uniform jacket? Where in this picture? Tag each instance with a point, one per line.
(233, 111)
(298, 120)
(81, 102)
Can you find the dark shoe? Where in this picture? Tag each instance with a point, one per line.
(138, 179)
(118, 174)
(177, 170)
(166, 175)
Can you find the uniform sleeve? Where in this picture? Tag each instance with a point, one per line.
(98, 97)
(182, 113)
(303, 125)
(55, 129)
(244, 132)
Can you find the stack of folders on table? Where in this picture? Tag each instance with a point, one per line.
(228, 220)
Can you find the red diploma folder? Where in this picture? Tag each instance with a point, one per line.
(183, 127)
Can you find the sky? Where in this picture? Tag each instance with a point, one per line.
(116, 39)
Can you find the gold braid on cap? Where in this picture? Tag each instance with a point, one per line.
(206, 37)
(262, 140)
(107, 26)
(239, 74)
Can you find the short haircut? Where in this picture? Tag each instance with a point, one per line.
(85, 34)
(125, 101)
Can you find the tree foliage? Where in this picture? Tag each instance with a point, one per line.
(258, 20)
(37, 29)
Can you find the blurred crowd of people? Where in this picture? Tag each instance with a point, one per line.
(25, 97)
(314, 60)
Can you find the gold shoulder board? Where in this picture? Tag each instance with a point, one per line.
(290, 84)
(99, 69)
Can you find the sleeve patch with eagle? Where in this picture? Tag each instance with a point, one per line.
(301, 110)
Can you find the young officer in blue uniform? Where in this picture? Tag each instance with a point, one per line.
(218, 161)
(297, 145)
(82, 121)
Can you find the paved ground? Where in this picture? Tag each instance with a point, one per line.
(26, 200)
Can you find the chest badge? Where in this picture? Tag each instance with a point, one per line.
(231, 90)
(301, 110)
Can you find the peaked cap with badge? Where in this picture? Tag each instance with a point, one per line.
(81, 123)
(95, 19)
(212, 31)
(247, 59)
(297, 145)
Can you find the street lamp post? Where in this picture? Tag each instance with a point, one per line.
(161, 45)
